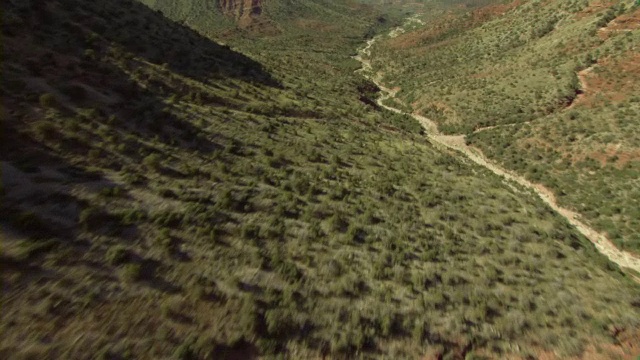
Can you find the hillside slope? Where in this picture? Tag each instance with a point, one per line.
(546, 88)
(166, 196)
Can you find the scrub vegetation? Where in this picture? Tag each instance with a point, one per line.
(168, 196)
(548, 89)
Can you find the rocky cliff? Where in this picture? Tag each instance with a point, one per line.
(244, 11)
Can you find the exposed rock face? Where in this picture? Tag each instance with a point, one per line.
(244, 11)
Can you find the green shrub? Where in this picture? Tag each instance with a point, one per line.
(117, 255)
(131, 272)
(338, 222)
(92, 217)
(48, 100)
(29, 222)
(251, 232)
(356, 234)
(185, 351)
(29, 249)
(152, 161)
(44, 129)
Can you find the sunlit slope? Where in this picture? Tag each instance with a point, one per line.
(558, 79)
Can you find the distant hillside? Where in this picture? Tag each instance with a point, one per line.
(548, 89)
(244, 11)
(259, 17)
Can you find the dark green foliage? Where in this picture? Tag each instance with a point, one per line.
(131, 272)
(44, 129)
(93, 218)
(48, 100)
(152, 161)
(117, 255)
(29, 250)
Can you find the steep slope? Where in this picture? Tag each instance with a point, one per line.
(259, 17)
(166, 196)
(457, 143)
(240, 9)
(546, 88)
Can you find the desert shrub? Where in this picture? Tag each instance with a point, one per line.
(315, 230)
(45, 129)
(117, 255)
(48, 100)
(152, 161)
(338, 222)
(290, 271)
(29, 222)
(131, 272)
(130, 216)
(356, 234)
(168, 218)
(112, 191)
(251, 232)
(94, 154)
(29, 249)
(93, 217)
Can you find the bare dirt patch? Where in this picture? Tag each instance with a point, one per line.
(626, 21)
(613, 79)
(612, 155)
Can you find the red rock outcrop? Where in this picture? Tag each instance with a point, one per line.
(244, 11)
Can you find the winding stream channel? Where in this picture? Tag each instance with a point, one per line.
(457, 143)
